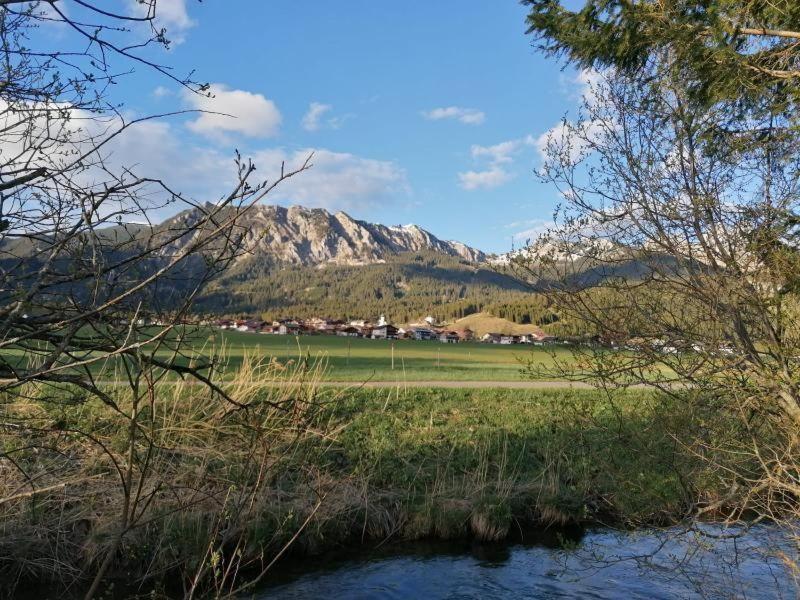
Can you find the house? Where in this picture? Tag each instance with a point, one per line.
(384, 332)
(509, 339)
(421, 333)
(249, 325)
(320, 325)
(449, 337)
(348, 332)
(465, 335)
(543, 338)
(491, 338)
(288, 328)
(331, 326)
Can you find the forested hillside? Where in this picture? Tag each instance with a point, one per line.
(404, 288)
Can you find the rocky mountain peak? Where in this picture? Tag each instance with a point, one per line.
(314, 236)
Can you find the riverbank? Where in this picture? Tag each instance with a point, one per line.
(308, 468)
(457, 462)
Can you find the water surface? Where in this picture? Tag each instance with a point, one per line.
(709, 563)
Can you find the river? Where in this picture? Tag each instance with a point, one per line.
(709, 562)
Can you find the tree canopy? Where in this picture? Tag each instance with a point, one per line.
(726, 49)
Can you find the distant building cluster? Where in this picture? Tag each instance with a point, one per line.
(427, 330)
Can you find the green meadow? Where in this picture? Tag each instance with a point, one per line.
(356, 359)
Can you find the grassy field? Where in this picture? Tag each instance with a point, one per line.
(482, 323)
(355, 359)
(480, 460)
(323, 467)
(359, 360)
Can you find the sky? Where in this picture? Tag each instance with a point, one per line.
(421, 112)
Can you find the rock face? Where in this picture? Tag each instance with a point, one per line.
(314, 236)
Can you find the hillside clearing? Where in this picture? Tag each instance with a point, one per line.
(483, 323)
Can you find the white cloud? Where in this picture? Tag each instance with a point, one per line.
(337, 122)
(171, 15)
(502, 152)
(153, 149)
(337, 180)
(587, 81)
(500, 158)
(234, 111)
(468, 116)
(162, 92)
(566, 137)
(149, 149)
(531, 230)
(491, 178)
(316, 110)
(554, 135)
(313, 119)
(159, 150)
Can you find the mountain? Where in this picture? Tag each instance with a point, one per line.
(404, 287)
(314, 236)
(306, 262)
(561, 252)
(309, 262)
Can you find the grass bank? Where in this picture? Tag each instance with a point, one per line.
(215, 491)
(455, 462)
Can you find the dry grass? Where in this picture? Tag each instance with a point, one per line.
(173, 479)
(483, 323)
(202, 495)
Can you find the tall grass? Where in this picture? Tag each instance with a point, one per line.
(170, 482)
(180, 490)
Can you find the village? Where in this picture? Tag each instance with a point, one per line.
(426, 330)
(431, 330)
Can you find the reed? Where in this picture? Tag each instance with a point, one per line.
(169, 480)
(180, 490)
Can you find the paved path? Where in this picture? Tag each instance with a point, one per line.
(509, 385)
(514, 385)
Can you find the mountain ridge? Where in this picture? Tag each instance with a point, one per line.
(297, 235)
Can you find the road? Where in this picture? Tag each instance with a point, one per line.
(512, 385)
(475, 385)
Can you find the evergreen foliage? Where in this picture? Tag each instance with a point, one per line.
(404, 289)
(744, 50)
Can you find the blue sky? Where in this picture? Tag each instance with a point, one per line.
(419, 111)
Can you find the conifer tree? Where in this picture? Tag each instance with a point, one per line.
(745, 50)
